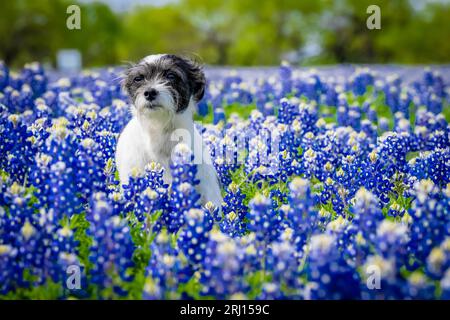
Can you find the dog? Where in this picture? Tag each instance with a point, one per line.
(164, 90)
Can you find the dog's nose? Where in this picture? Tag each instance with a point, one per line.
(150, 94)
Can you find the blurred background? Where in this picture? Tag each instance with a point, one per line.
(231, 32)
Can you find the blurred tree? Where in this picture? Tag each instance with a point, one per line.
(99, 36)
(36, 30)
(426, 39)
(151, 30)
(232, 32)
(252, 31)
(28, 29)
(269, 29)
(215, 27)
(347, 38)
(406, 35)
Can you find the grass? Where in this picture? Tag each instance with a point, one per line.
(243, 111)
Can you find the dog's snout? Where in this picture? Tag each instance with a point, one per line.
(150, 94)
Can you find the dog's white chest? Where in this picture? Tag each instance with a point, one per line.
(136, 148)
(143, 141)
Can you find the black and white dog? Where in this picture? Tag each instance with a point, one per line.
(164, 90)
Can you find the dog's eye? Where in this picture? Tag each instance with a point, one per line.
(138, 78)
(171, 76)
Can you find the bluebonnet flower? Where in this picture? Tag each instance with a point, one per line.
(7, 270)
(39, 248)
(234, 212)
(445, 285)
(361, 79)
(419, 287)
(439, 260)
(90, 168)
(226, 159)
(223, 270)
(392, 241)
(329, 275)
(382, 279)
(219, 115)
(202, 107)
(285, 73)
(283, 262)
(347, 240)
(183, 196)
(287, 111)
(331, 93)
(438, 166)
(383, 124)
(310, 146)
(264, 219)
(367, 213)
(34, 75)
(375, 174)
(166, 270)
(393, 147)
(16, 150)
(301, 215)
(112, 249)
(194, 236)
(101, 92)
(4, 75)
(15, 80)
(311, 87)
(396, 210)
(271, 291)
(64, 253)
(16, 199)
(63, 193)
(232, 225)
(138, 182)
(149, 203)
(429, 219)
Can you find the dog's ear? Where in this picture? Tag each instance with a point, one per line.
(196, 78)
(125, 73)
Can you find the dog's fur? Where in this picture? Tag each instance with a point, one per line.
(164, 90)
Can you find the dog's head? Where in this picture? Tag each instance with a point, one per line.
(164, 82)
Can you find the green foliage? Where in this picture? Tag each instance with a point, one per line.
(242, 111)
(80, 225)
(47, 291)
(446, 112)
(193, 288)
(142, 237)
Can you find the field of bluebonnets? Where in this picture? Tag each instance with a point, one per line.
(328, 182)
